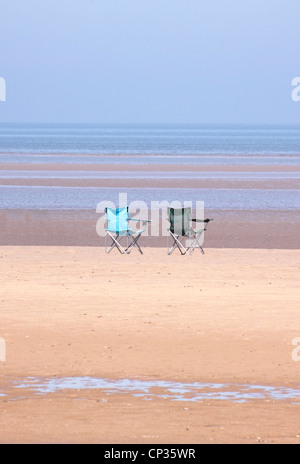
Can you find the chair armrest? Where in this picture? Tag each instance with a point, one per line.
(202, 220)
(144, 221)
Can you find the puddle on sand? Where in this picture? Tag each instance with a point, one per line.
(153, 389)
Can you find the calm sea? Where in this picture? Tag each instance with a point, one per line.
(148, 144)
(205, 143)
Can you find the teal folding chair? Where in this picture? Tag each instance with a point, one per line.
(118, 230)
(184, 237)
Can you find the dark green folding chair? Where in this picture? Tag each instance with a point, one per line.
(184, 237)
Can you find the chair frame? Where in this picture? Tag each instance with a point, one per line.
(131, 237)
(190, 234)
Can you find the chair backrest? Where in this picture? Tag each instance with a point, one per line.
(180, 220)
(117, 219)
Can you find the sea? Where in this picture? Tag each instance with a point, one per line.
(266, 146)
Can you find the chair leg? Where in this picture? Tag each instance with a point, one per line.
(195, 244)
(177, 243)
(134, 243)
(172, 248)
(116, 244)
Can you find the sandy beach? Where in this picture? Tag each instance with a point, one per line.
(226, 317)
(204, 343)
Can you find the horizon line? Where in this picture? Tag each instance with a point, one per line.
(156, 123)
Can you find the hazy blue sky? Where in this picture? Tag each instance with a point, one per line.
(189, 61)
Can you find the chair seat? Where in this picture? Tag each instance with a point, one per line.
(125, 233)
(190, 233)
(193, 233)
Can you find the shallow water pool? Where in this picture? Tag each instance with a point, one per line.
(158, 389)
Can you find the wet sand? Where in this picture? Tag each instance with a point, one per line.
(227, 316)
(148, 167)
(158, 183)
(230, 229)
(258, 177)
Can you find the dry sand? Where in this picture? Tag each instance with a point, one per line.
(227, 316)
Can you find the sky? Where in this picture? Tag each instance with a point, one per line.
(150, 61)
